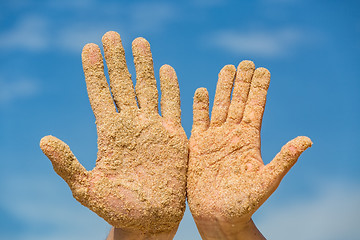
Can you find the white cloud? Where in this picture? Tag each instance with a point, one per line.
(37, 32)
(42, 204)
(29, 33)
(258, 43)
(14, 89)
(151, 16)
(74, 37)
(332, 214)
(133, 18)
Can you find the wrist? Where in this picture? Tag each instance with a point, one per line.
(216, 229)
(120, 234)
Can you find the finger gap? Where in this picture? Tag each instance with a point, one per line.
(157, 78)
(156, 67)
(107, 76)
(232, 89)
(271, 143)
(127, 45)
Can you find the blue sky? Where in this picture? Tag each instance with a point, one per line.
(312, 49)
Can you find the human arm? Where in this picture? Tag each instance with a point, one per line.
(138, 183)
(227, 179)
(120, 234)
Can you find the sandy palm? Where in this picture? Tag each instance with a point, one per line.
(139, 180)
(227, 179)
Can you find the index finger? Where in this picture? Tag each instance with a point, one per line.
(98, 90)
(255, 104)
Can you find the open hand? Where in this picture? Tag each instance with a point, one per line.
(139, 180)
(227, 179)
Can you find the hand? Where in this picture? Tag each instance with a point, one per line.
(227, 179)
(138, 184)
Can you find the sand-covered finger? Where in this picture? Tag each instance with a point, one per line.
(242, 83)
(201, 119)
(255, 104)
(146, 90)
(97, 86)
(120, 79)
(170, 94)
(222, 95)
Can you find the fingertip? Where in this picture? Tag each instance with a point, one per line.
(297, 146)
(140, 43)
(139, 40)
(90, 47)
(228, 69)
(167, 74)
(303, 142)
(111, 37)
(52, 147)
(167, 70)
(246, 65)
(201, 95)
(262, 78)
(46, 142)
(91, 54)
(262, 72)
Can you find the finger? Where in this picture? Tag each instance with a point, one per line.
(170, 94)
(146, 90)
(287, 157)
(120, 79)
(244, 74)
(97, 87)
(255, 103)
(201, 119)
(65, 164)
(222, 95)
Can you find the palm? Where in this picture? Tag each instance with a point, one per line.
(135, 155)
(227, 179)
(229, 175)
(138, 183)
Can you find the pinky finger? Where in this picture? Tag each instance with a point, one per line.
(201, 119)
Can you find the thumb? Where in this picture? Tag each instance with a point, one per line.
(288, 156)
(65, 164)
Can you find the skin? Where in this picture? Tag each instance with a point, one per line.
(227, 179)
(139, 182)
